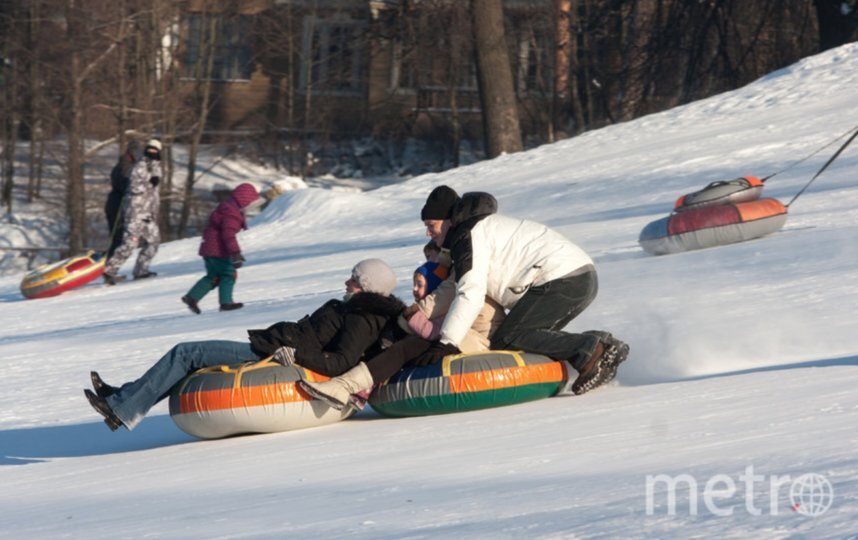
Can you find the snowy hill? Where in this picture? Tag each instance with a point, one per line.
(742, 377)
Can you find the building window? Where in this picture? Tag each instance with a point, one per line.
(415, 67)
(232, 52)
(535, 66)
(335, 50)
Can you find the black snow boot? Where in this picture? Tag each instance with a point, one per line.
(102, 408)
(601, 367)
(110, 279)
(146, 274)
(102, 389)
(231, 306)
(192, 304)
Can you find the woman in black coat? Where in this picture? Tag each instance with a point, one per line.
(119, 179)
(336, 337)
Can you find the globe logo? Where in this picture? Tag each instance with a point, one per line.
(811, 494)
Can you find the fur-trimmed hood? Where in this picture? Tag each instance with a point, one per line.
(388, 306)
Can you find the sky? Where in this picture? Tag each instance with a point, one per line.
(738, 396)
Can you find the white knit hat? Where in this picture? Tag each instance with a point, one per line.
(374, 275)
(154, 143)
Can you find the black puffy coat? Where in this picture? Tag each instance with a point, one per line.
(120, 177)
(338, 335)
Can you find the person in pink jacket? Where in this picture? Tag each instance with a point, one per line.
(433, 295)
(426, 279)
(220, 250)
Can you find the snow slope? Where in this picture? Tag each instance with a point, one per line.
(742, 377)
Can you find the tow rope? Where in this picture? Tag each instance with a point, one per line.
(853, 131)
(827, 163)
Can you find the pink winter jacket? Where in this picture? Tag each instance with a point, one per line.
(225, 222)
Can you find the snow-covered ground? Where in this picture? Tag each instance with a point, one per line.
(741, 381)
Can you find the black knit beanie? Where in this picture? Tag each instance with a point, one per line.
(439, 204)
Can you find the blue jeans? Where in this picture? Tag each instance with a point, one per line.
(134, 399)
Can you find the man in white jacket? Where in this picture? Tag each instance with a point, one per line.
(542, 278)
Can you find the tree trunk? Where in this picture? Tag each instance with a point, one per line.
(563, 37)
(168, 117)
(121, 72)
(577, 109)
(588, 55)
(454, 68)
(494, 74)
(75, 188)
(10, 139)
(9, 66)
(205, 87)
(308, 102)
(35, 83)
(78, 76)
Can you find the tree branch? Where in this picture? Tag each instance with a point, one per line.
(94, 64)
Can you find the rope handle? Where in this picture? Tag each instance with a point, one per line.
(818, 150)
(827, 163)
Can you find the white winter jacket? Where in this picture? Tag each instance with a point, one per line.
(502, 258)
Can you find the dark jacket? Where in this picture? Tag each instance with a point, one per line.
(226, 222)
(468, 211)
(120, 177)
(336, 336)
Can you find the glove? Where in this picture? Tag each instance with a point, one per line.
(237, 260)
(154, 180)
(435, 354)
(285, 356)
(410, 311)
(265, 343)
(262, 343)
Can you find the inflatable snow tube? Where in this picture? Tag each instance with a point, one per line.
(261, 397)
(468, 382)
(711, 226)
(59, 277)
(745, 189)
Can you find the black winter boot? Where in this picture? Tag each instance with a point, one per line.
(102, 408)
(192, 304)
(102, 389)
(146, 274)
(231, 306)
(110, 279)
(601, 368)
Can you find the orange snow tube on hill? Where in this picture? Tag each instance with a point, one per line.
(53, 279)
(710, 226)
(261, 397)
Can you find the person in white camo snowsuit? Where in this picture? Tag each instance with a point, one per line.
(141, 217)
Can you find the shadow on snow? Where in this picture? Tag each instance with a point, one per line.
(33, 445)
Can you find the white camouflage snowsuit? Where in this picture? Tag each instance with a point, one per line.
(140, 208)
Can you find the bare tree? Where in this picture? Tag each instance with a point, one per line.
(168, 119)
(457, 69)
(84, 57)
(494, 75)
(209, 30)
(36, 118)
(10, 66)
(564, 47)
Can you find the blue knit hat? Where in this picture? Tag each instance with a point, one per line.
(434, 274)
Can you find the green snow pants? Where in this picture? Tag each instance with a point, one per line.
(220, 273)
